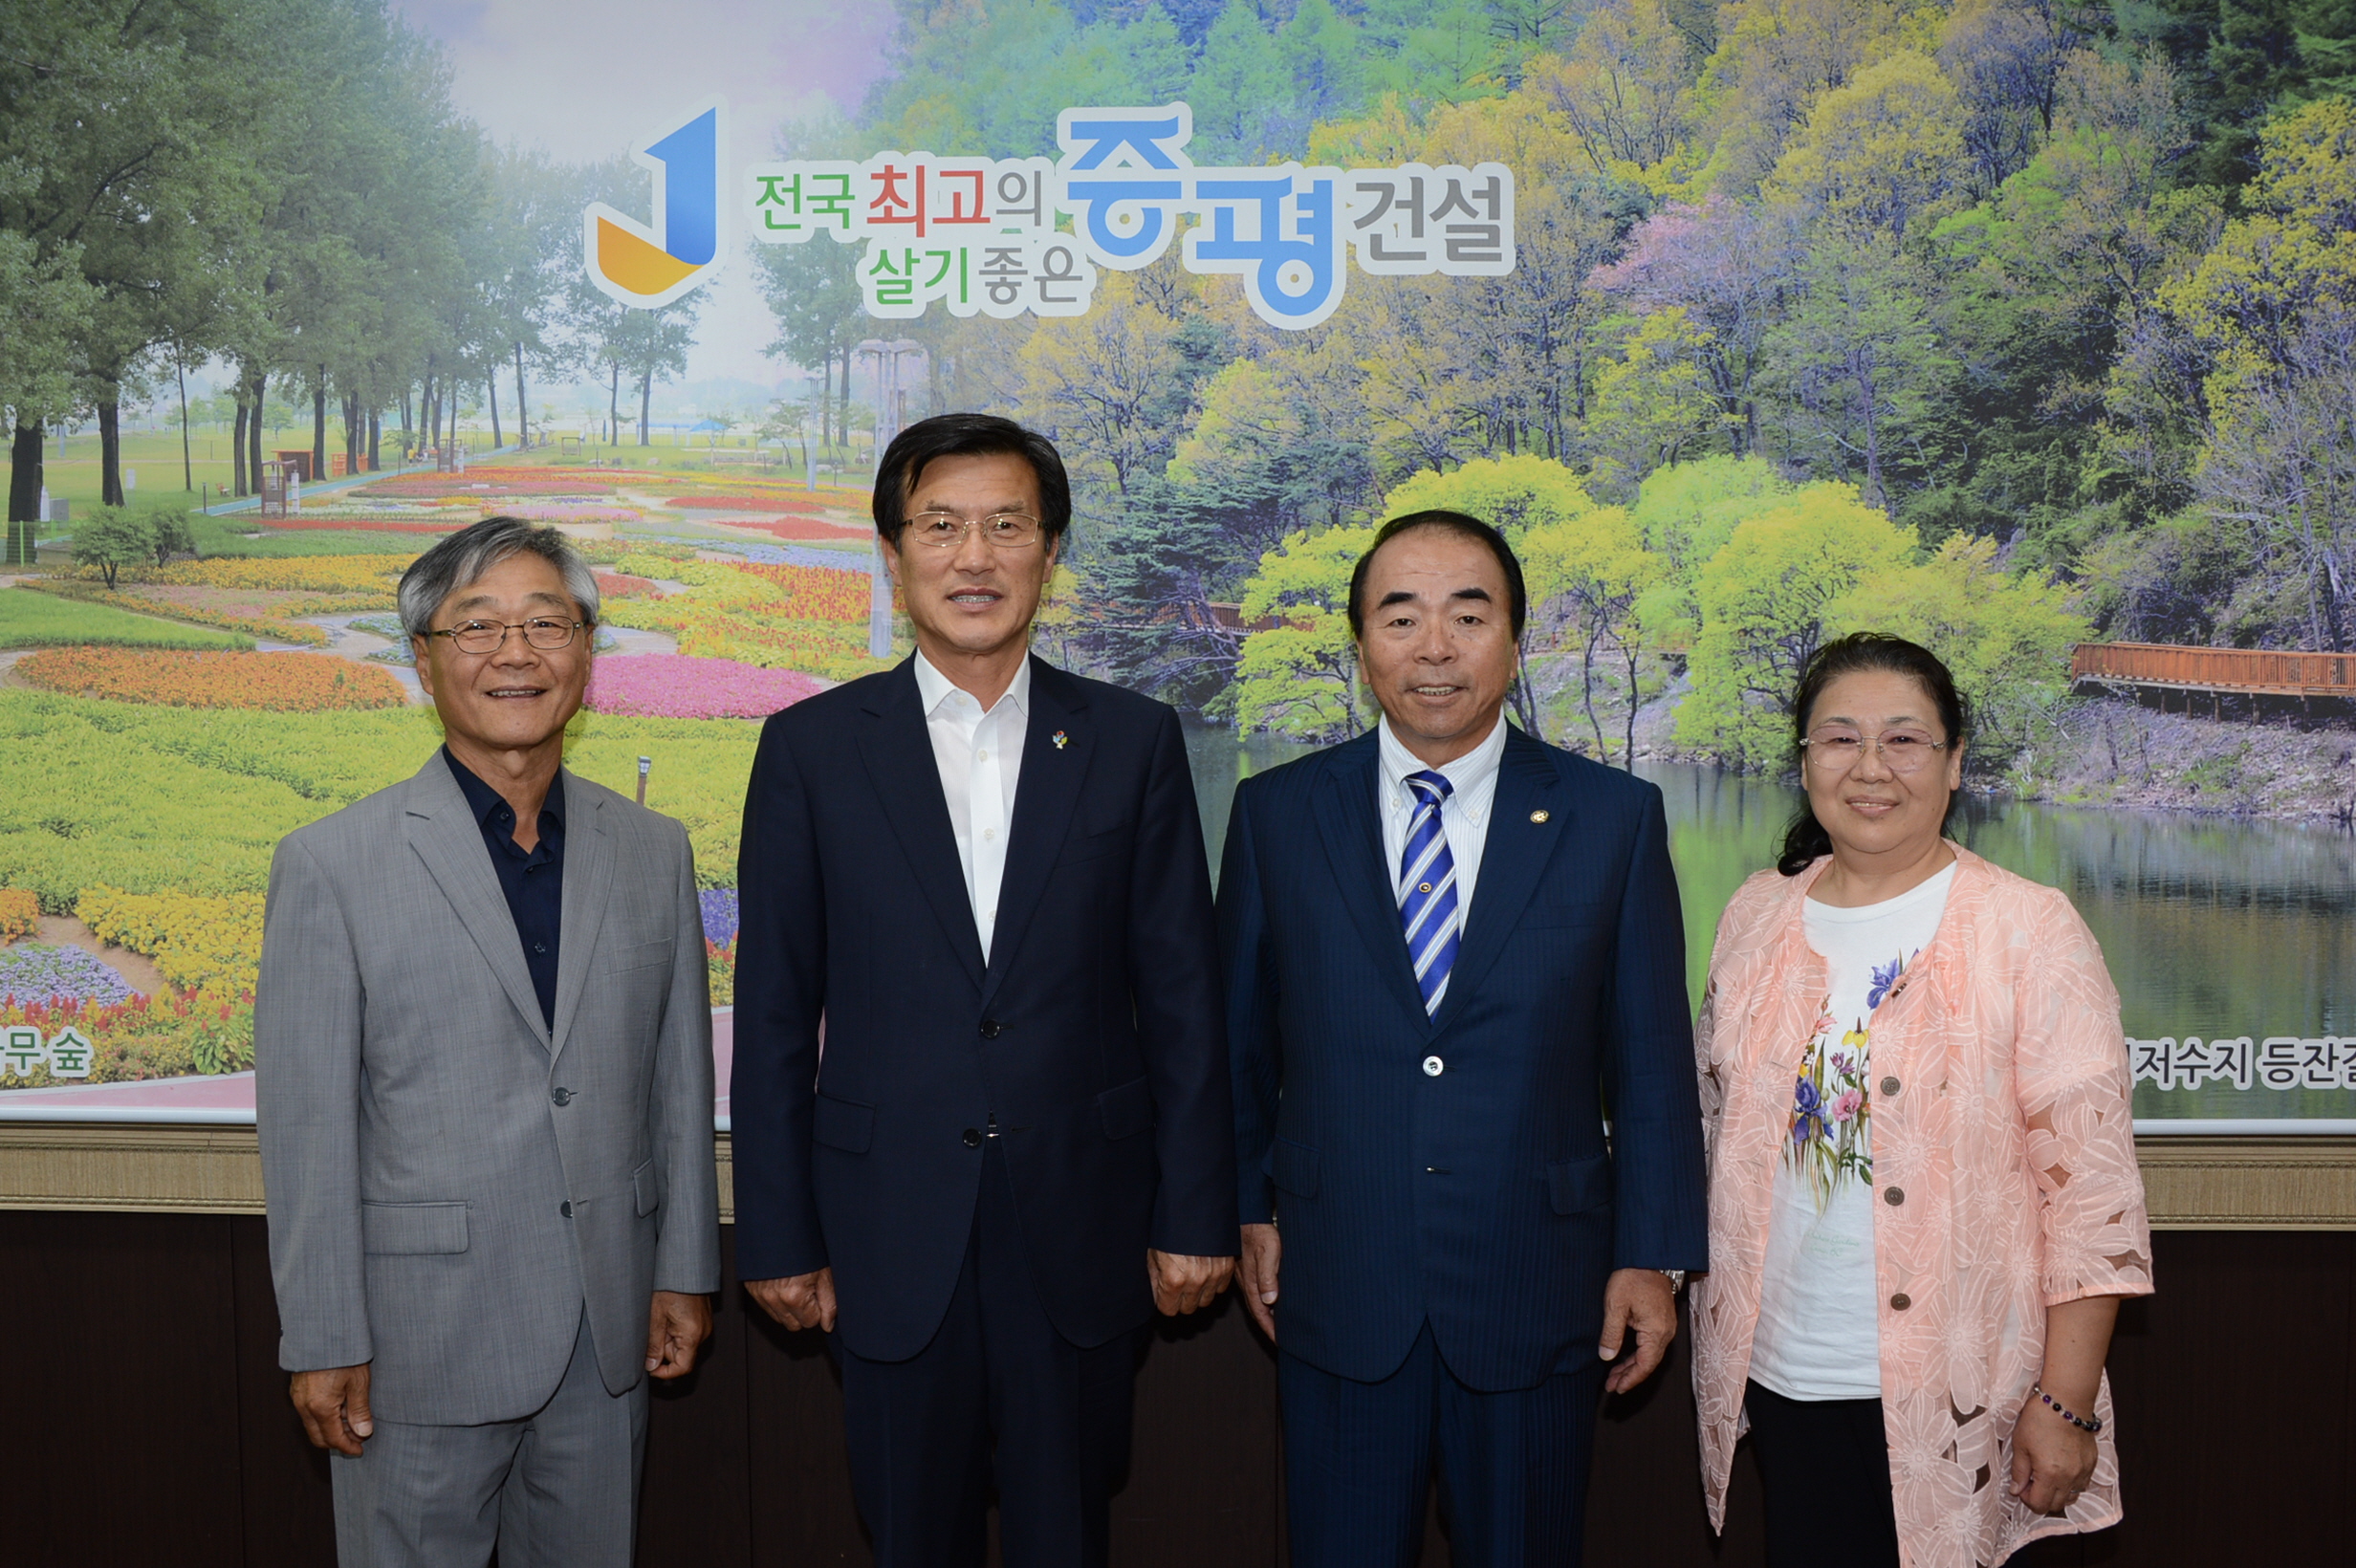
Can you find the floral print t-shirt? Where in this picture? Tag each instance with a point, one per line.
(1817, 1335)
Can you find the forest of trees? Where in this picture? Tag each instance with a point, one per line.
(172, 194)
(2025, 320)
(2013, 321)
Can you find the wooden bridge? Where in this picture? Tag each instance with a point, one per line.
(2219, 671)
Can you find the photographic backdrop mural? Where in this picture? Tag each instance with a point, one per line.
(2025, 329)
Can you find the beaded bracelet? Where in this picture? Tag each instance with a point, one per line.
(2086, 1424)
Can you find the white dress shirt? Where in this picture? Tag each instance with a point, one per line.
(980, 758)
(1464, 816)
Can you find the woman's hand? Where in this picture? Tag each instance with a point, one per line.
(2052, 1460)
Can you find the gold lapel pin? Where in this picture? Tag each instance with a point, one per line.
(1537, 816)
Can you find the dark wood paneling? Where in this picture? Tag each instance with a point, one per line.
(119, 1410)
(695, 1501)
(289, 1515)
(144, 1408)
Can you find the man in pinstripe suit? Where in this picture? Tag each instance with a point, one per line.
(1452, 950)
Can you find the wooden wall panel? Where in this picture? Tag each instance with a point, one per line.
(149, 1423)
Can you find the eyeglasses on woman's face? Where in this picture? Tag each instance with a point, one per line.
(1836, 749)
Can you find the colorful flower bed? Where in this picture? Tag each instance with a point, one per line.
(287, 682)
(572, 512)
(623, 585)
(145, 1037)
(742, 503)
(365, 525)
(375, 575)
(817, 593)
(720, 915)
(799, 528)
(668, 685)
(211, 948)
(780, 616)
(261, 626)
(34, 972)
(19, 909)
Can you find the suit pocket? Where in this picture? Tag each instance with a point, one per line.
(412, 1228)
(645, 955)
(1127, 1109)
(844, 1124)
(1292, 1168)
(645, 1189)
(1577, 1186)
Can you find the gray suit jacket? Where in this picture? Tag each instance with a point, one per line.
(433, 1209)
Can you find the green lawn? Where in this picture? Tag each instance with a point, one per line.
(34, 620)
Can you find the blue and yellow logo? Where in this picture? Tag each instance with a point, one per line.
(646, 267)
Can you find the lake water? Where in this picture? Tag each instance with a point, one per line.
(2212, 927)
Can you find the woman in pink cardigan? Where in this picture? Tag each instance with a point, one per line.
(1924, 1203)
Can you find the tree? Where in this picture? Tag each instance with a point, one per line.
(812, 289)
(1766, 599)
(1881, 152)
(111, 538)
(1297, 674)
(2007, 637)
(650, 344)
(1685, 513)
(1626, 89)
(1512, 495)
(1859, 360)
(1655, 403)
(1593, 570)
(1098, 384)
(1241, 84)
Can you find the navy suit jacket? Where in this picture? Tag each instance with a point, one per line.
(1092, 1035)
(1483, 1200)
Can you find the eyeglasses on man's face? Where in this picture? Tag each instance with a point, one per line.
(945, 530)
(1836, 750)
(545, 633)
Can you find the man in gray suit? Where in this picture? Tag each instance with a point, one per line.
(483, 1043)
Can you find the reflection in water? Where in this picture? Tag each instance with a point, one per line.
(2212, 927)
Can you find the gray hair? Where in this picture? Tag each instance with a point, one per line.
(467, 555)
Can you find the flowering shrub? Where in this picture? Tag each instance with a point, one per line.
(33, 972)
(299, 683)
(720, 973)
(264, 626)
(211, 948)
(669, 686)
(18, 911)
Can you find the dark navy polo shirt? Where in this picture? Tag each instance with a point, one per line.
(534, 883)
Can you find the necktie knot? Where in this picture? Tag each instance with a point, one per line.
(1430, 786)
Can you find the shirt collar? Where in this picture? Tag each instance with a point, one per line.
(934, 688)
(1467, 773)
(482, 799)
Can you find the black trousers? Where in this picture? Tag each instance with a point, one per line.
(998, 1396)
(1827, 1466)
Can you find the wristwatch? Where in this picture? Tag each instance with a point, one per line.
(1676, 1280)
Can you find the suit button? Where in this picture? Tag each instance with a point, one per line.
(1894, 1196)
(990, 1029)
(1901, 1302)
(565, 1209)
(972, 1137)
(1434, 1067)
(1890, 1087)
(562, 1096)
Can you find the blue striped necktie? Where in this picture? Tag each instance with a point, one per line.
(1427, 890)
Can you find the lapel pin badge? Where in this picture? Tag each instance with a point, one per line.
(1061, 740)
(1537, 816)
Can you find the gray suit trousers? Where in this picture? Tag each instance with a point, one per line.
(557, 1488)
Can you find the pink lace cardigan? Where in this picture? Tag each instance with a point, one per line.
(2002, 1115)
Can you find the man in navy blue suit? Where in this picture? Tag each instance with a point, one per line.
(985, 878)
(1452, 954)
